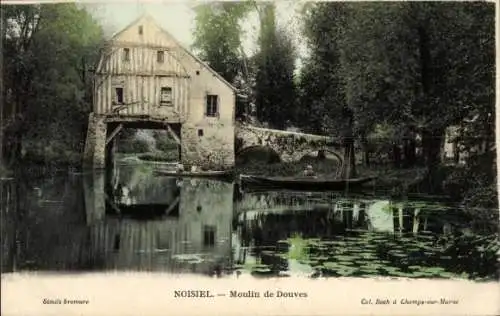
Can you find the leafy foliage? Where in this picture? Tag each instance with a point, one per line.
(275, 87)
(49, 54)
(218, 36)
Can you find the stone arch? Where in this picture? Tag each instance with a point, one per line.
(339, 157)
(335, 153)
(245, 150)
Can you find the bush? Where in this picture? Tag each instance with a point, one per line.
(133, 146)
(258, 154)
(165, 143)
(164, 156)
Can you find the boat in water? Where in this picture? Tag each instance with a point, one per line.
(302, 183)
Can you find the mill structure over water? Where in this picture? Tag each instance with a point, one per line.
(146, 79)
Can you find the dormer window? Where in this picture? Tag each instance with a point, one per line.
(140, 29)
(160, 56)
(126, 54)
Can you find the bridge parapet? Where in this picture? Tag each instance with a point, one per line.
(290, 146)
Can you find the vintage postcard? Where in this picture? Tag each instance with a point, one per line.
(249, 158)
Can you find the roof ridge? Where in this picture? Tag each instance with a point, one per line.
(177, 42)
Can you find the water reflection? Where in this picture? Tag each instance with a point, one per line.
(285, 234)
(164, 224)
(134, 220)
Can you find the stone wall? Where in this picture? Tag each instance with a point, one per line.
(290, 146)
(208, 144)
(95, 144)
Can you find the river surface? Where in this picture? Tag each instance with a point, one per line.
(140, 221)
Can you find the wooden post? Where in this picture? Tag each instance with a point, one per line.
(400, 217)
(416, 221)
(114, 133)
(173, 134)
(172, 206)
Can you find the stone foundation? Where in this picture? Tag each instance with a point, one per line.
(209, 145)
(93, 188)
(95, 144)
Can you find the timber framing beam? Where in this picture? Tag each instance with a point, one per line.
(173, 134)
(172, 206)
(114, 133)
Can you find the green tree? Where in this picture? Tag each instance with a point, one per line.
(275, 85)
(49, 54)
(323, 86)
(419, 67)
(217, 37)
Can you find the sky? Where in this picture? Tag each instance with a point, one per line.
(177, 17)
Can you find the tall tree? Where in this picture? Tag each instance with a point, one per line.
(49, 51)
(323, 85)
(414, 66)
(275, 86)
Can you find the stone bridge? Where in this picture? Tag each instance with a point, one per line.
(289, 146)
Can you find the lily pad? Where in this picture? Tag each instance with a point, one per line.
(345, 258)
(309, 262)
(391, 269)
(369, 271)
(346, 271)
(433, 270)
(397, 254)
(368, 255)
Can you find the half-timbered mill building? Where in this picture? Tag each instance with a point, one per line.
(147, 79)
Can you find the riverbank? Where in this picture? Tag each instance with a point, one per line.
(388, 178)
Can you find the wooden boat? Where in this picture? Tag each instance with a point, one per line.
(303, 183)
(225, 174)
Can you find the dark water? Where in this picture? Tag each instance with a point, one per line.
(141, 221)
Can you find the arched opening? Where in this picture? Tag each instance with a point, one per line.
(256, 154)
(324, 160)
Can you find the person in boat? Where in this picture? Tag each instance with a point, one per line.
(180, 168)
(194, 168)
(309, 172)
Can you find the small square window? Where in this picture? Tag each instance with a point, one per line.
(160, 56)
(126, 54)
(212, 106)
(166, 96)
(200, 132)
(140, 29)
